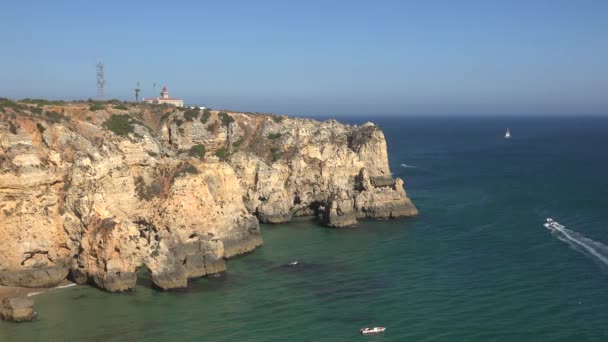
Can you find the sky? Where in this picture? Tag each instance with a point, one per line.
(430, 57)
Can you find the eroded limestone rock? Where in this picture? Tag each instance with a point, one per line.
(79, 200)
(18, 309)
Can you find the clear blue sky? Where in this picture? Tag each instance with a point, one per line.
(421, 57)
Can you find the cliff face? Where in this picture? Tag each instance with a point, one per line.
(99, 195)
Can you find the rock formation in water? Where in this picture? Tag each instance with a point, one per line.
(97, 192)
(18, 309)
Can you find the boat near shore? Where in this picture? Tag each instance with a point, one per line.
(371, 331)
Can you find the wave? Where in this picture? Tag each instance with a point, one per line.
(583, 244)
(53, 288)
(408, 166)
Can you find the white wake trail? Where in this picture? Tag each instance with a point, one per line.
(583, 244)
(408, 166)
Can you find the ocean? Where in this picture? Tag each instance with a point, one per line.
(476, 265)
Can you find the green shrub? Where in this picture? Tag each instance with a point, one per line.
(238, 143)
(277, 119)
(119, 124)
(191, 114)
(96, 106)
(274, 136)
(53, 116)
(121, 107)
(6, 103)
(226, 119)
(42, 102)
(276, 154)
(206, 115)
(222, 153)
(213, 127)
(36, 110)
(198, 151)
(165, 116)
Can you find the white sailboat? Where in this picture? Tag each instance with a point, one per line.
(508, 134)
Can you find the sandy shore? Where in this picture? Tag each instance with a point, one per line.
(9, 291)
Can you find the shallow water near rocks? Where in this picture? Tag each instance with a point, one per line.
(476, 265)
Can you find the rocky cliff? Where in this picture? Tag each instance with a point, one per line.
(97, 192)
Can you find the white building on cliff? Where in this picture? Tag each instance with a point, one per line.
(164, 98)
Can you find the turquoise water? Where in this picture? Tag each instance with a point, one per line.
(476, 265)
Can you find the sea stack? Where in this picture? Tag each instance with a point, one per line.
(18, 309)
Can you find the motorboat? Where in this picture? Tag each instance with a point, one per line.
(293, 263)
(508, 134)
(552, 224)
(373, 330)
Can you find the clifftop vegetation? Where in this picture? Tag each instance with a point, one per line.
(188, 131)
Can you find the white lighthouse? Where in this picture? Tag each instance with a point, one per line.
(164, 98)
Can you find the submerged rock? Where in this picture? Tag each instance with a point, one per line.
(18, 309)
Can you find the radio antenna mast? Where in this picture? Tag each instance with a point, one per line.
(137, 89)
(100, 81)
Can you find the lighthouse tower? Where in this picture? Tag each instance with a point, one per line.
(165, 99)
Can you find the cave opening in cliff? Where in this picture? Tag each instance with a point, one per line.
(315, 208)
(144, 277)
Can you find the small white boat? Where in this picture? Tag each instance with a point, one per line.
(508, 134)
(293, 263)
(374, 330)
(552, 224)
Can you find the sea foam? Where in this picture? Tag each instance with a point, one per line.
(583, 244)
